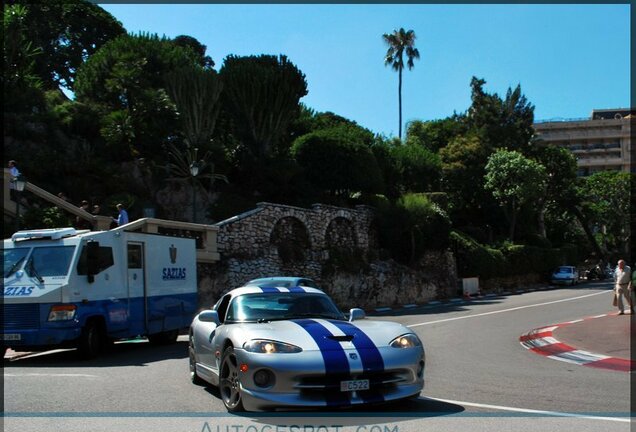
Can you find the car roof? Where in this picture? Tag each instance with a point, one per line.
(276, 278)
(254, 289)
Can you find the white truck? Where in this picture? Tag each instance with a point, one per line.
(71, 288)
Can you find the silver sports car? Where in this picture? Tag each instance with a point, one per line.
(273, 347)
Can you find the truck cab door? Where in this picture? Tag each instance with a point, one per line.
(136, 285)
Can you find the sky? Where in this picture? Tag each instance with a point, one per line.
(568, 59)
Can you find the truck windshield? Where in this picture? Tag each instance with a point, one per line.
(49, 261)
(13, 260)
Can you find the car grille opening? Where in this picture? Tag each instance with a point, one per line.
(384, 381)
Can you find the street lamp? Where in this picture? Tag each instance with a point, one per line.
(19, 182)
(194, 170)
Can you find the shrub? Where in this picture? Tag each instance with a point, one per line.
(411, 226)
(475, 259)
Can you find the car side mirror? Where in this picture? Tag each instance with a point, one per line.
(210, 316)
(356, 314)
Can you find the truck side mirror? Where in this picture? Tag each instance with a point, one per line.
(92, 259)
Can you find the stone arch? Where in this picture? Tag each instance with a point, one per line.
(291, 238)
(340, 234)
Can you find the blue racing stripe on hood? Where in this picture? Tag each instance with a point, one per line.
(297, 289)
(370, 356)
(372, 360)
(332, 354)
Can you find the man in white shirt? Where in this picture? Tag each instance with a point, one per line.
(13, 170)
(623, 276)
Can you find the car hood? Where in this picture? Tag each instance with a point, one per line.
(323, 334)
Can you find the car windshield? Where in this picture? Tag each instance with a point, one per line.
(13, 260)
(565, 270)
(49, 261)
(263, 307)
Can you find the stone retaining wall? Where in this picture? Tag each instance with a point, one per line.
(276, 239)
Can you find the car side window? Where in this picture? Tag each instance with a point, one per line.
(222, 309)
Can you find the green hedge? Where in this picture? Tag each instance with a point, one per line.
(475, 259)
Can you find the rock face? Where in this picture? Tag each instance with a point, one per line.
(331, 245)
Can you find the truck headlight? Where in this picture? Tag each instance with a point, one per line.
(62, 312)
(408, 340)
(270, 347)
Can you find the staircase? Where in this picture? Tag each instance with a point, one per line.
(100, 223)
(206, 235)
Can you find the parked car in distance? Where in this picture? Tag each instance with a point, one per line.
(283, 282)
(271, 347)
(565, 275)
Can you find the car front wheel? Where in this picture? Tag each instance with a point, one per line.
(229, 381)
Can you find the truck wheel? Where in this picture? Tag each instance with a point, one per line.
(229, 382)
(90, 342)
(164, 338)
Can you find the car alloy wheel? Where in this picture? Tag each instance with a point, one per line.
(229, 382)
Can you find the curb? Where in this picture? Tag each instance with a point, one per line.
(541, 341)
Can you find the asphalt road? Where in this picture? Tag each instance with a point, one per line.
(478, 375)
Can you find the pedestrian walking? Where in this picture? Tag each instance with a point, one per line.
(622, 277)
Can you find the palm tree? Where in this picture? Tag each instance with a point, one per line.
(400, 41)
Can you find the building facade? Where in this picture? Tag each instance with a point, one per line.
(601, 143)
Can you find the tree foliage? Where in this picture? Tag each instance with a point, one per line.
(502, 123)
(435, 134)
(514, 180)
(185, 41)
(605, 202)
(127, 79)
(400, 42)
(463, 168)
(412, 225)
(418, 169)
(196, 93)
(20, 83)
(262, 94)
(337, 164)
(67, 33)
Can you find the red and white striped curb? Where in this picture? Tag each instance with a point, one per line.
(541, 341)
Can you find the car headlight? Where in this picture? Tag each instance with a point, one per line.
(409, 340)
(270, 347)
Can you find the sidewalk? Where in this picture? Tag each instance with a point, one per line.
(602, 341)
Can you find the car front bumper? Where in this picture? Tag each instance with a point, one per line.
(300, 380)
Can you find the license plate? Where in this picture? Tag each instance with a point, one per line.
(354, 385)
(11, 336)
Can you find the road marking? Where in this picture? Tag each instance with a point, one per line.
(506, 310)
(529, 411)
(50, 375)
